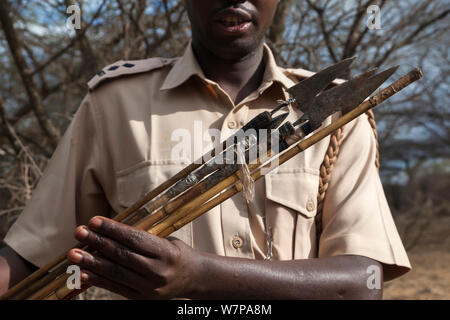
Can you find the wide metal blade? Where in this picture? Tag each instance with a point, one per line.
(323, 105)
(344, 97)
(337, 92)
(362, 92)
(306, 90)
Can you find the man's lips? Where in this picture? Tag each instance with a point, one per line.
(233, 29)
(233, 21)
(233, 15)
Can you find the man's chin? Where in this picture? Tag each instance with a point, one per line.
(237, 48)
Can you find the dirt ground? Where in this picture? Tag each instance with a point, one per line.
(430, 259)
(429, 279)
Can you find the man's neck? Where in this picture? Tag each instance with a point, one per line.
(237, 77)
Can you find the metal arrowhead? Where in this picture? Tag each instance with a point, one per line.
(344, 97)
(366, 89)
(306, 90)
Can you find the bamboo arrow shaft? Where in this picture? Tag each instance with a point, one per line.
(383, 95)
(189, 216)
(190, 211)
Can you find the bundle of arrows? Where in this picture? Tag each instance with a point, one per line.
(202, 185)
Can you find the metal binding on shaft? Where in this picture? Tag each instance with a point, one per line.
(283, 104)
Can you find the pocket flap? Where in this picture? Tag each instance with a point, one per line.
(133, 183)
(295, 189)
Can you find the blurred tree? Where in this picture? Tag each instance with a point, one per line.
(44, 68)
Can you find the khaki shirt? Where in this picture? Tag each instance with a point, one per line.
(118, 147)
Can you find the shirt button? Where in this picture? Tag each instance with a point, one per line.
(310, 206)
(237, 242)
(231, 125)
(242, 123)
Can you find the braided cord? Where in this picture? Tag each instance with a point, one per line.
(326, 169)
(373, 124)
(327, 166)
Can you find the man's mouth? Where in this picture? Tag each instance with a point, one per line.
(233, 21)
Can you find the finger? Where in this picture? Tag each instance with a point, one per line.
(92, 279)
(142, 242)
(116, 252)
(106, 269)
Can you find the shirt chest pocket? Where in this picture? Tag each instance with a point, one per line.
(294, 188)
(134, 182)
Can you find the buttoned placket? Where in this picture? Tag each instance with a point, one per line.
(234, 212)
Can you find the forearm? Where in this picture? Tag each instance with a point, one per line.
(139, 265)
(341, 277)
(13, 268)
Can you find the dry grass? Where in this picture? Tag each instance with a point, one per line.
(430, 259)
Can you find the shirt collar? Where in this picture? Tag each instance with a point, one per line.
(273, 72)
(187, 66)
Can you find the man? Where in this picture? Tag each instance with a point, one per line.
(119, 146)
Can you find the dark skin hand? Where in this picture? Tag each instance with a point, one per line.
(139, 265)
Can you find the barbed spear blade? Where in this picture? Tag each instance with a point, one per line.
(307, 89)
(344, 97)
(371, 84)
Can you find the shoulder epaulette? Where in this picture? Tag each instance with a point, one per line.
(122, 68)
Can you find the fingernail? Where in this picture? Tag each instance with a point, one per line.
(76, 257)
(95, 223)
(83, 233)
(84, 277)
